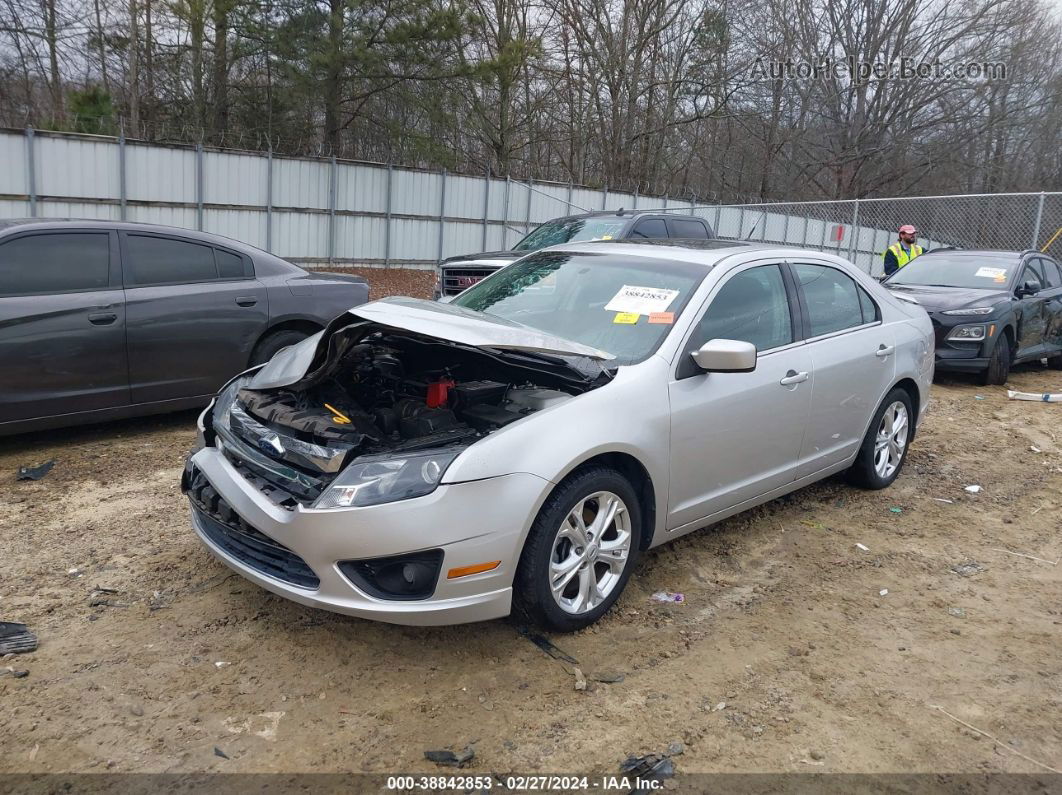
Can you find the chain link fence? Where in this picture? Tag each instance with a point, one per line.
(860, 230)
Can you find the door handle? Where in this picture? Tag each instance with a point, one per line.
(246, 300)
(102, 318)
(884, 350)
(793, 377)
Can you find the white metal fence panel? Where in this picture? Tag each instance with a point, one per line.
(321, 210)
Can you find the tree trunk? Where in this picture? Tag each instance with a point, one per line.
(134, 69)
(220, 79)
(333, 75)
(52, 36)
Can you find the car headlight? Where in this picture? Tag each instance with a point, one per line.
(975, 310)
(373, 480)
(967, 333)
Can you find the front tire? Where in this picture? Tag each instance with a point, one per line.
(999, 363)
(884, 448)
(580, 552)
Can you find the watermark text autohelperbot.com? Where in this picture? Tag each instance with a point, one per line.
(864, 71)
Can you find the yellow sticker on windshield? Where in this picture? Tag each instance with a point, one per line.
(630, 318)
(606, 237)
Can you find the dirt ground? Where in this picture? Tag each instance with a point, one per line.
(787, 655)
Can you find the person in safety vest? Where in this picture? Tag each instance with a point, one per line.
(903, 251)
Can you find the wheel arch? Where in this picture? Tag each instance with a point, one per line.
(303, 324)
(636, 472)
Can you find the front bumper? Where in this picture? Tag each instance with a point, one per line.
(474, 522)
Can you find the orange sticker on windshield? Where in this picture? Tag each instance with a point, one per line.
(662, 317)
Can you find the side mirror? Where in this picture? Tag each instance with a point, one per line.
(726, 356)
(1030, 287)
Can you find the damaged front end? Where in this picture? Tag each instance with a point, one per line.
(368, 412)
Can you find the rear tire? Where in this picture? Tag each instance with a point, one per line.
(273, 342)
(574, 567)
(999, 363)
(884, 449)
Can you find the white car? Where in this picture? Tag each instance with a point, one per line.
(428, 463)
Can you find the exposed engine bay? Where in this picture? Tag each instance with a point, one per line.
(390, 392)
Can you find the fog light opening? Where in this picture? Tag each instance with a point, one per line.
(399, 577)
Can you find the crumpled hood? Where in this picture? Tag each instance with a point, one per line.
(937, 299)
(426, 318)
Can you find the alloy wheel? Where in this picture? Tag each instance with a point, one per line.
(590, 552)
(891, 439)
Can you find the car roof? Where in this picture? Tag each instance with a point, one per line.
(703, 254)
(44, 224)
(621, 213)
(981, 252)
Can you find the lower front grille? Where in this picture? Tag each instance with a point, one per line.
(236, 538)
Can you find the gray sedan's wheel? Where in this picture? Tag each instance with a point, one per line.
(274, 342)
(884, 448)
(590, 552)
(580, 551)
(891, 441)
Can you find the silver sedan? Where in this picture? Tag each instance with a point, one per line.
(520, 447)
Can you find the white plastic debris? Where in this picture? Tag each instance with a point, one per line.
(941, 499)
(221, 664)
(1039, 397)
(883, 592)
(1035, 449)
(863, 547)
(667, 596)
(974, 489)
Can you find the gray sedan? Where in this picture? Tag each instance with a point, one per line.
(430, 463)
(104, 320)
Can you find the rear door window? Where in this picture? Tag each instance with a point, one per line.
(66, 262)
(162, 260)
(230, 266)
(650, 229)
(832, 299)
(687, 228)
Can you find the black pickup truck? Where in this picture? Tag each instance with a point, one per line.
(459, 273)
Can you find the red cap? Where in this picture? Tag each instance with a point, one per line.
(908, 229)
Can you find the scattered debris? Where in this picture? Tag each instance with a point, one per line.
(221, 664)
(651, 767)
(74, 572)
(667, 597)
(941, 499)
(993, 739)
(676, 748)
(883, 592)
(101, 601)
(1030, 557)
(967, 569)
(580, 680)
(35, 473)
(547, 646)
(958, 612)
(863, 547)
(816, 754)
(447, 758)
(1043, 397)
(99, 589)
(264, 725)
(973, 489)
(219, 752)
(608, 677)
(955, 631)
(16, 638)
(895, 510)
(18, 674)
(1035, 449)
(979, 397)
(719, 707)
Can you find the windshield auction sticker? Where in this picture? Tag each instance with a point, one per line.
(629, 318)
(999, 274)
(641, 300)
